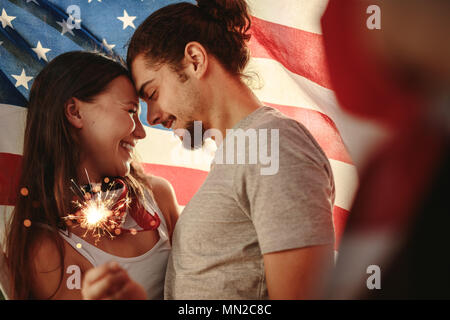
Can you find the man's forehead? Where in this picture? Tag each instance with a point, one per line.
(137, 73)
(143, 70)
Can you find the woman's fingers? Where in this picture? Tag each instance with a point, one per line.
(97, 273)
(106, 286)
(110, 281)
(102, 281)
(130, 291)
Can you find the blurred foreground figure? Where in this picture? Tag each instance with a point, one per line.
(396, 243)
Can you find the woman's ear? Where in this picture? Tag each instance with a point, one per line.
(72, 111)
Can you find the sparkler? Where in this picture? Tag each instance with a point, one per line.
(99, 212)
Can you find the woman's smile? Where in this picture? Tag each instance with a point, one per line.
(128, 147)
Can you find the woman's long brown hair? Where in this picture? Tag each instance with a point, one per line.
(50, 159)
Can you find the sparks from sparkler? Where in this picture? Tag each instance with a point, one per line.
(98, 212)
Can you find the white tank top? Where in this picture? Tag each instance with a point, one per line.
(148, 269)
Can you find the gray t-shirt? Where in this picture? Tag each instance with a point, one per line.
(240, 214)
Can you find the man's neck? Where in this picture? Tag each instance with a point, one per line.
(233, 102)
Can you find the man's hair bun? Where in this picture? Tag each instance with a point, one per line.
(233, 14)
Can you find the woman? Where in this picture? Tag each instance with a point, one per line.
(83, 124)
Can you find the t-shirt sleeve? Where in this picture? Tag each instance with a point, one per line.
(292, 206)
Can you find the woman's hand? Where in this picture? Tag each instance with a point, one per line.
(110, 282)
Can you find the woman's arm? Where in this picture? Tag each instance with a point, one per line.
(46, 280)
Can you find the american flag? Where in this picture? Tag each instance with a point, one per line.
(287, 54)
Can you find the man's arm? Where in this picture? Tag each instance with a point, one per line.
(298, 273)
(292, 214)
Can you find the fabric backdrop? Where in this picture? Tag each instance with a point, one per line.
(287, 55)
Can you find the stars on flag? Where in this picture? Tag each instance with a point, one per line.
(22, 79)
(108, 46)
(6, 20)
(65, 27)
(40, 51)
(127, 20)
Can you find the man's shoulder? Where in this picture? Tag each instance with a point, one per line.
(270, 118)
(293, 136)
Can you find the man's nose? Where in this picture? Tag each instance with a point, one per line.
(154, 115)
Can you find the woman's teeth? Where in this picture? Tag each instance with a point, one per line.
(127, 146)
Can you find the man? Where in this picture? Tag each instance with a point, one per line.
(248, 233)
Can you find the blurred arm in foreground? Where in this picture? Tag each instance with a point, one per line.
(398, 75)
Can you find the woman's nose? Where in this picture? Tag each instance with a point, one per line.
(139, 131)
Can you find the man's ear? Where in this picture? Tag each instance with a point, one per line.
(196, 59)
(72, 112)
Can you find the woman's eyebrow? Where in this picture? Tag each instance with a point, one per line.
(132, 102)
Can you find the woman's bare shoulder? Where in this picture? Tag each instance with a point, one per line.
(166, 199)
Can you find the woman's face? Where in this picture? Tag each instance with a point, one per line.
(110, 130)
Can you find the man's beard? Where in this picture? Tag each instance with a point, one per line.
(195, 141)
